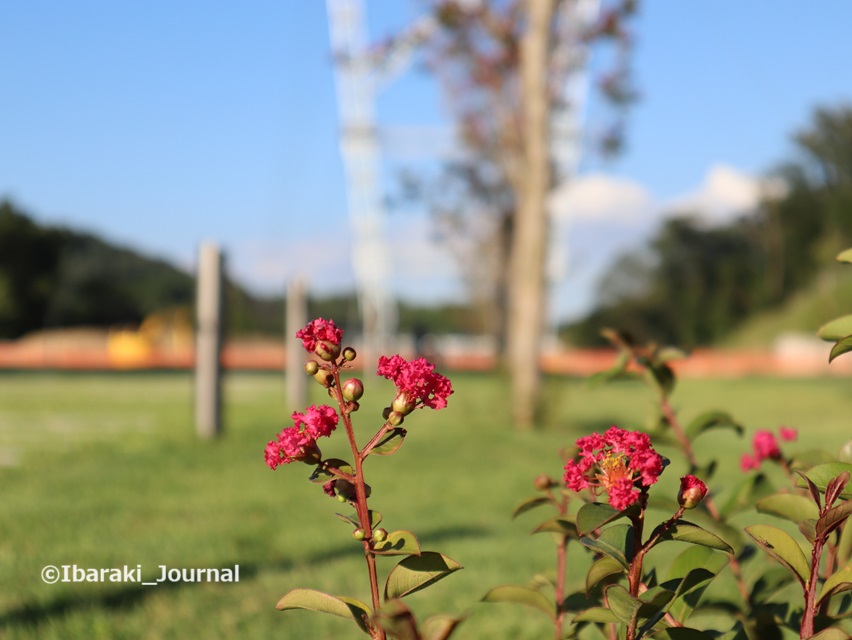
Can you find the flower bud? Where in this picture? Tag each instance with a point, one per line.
(352, 389)
(692, 492)
(403, 404)
(324, 378)
(311, 367)
(326, 350)
(359, 534)
(349, 354)
(544, 482)
(379, 535)
(395, 418)
(352, 406)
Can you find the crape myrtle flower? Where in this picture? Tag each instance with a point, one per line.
(417, 384)
(321, 337)
(765, 447)
(618, 462)
(298, 443)
(691, 493)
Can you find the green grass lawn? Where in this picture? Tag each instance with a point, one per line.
(105, 471)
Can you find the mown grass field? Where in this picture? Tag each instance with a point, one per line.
(105, 471)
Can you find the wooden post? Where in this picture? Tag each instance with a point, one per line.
(296, 319)
(208, 346)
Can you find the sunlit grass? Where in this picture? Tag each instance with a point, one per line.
(105, 470)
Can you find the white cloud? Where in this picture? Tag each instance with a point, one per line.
(725, 194)
(599, 198)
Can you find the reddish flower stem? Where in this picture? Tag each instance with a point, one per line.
(810, 590)
(361, 508)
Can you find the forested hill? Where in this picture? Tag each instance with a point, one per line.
(57, 277)
(695, 284)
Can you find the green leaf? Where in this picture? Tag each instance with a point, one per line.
(844, 545)
(693, 558)
(844, 256)
(397, 620)
(833, 518)
(440, 627)
(389, 443)
(594, 515)
(418, 572)
(832, 633)
(682, 633)
(783, 548)
(663, 379)
(348, 519)
(532, 503)
(375, 519)
(562, 526)
(341, 606)
(622, 604)
(839, 581)
(822, 474)
(837, 329)
(321, 475)
(750, 490)
(840, 347)
(615, 542)
(790, 506)
(712, 420)
(599, 615)
(601, 568)
(522, 595)
(684, 531)
(398, 543)
(808, 529)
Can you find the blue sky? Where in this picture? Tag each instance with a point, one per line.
(162, 124)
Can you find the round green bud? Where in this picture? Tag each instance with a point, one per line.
(395, 418)
(349, 354)
(379, 535)
(324, 378)
(403, 404)
(326, 350)
(311, 367)
(340, 498)
(352, 389)
(359, 534)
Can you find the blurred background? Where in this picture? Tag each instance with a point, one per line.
(686, 170)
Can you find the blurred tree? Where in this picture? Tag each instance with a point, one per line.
(504, 66)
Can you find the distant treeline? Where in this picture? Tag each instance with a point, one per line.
(694, 283)
(57, 277)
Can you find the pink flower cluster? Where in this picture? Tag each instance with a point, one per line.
(416, 382)
(319, 330)
(619, 462)
(765, 446)
(299, 442)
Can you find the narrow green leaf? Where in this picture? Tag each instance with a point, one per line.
(615, 542)
(418, 572)
(530, 504)
(622, 604)
(684, 531)
(600, 569)
(321, 475)
(663, 378)
(398, 543)
(598, 615)
(712, 420)
(844, 545)
(522, 595)
(594, 515)
(837, 329)
(790, 506)
(844, 256)
(341, 606)
(440, 627)
(390, 443)
(839, 581)
(808, 529)
(783, 548)
(840, 347)
(822, 474)
(833, 518)
(832, 633)
(693, 558)
(563, 526)
(348, 519)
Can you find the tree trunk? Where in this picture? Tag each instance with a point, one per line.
(528, 255)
